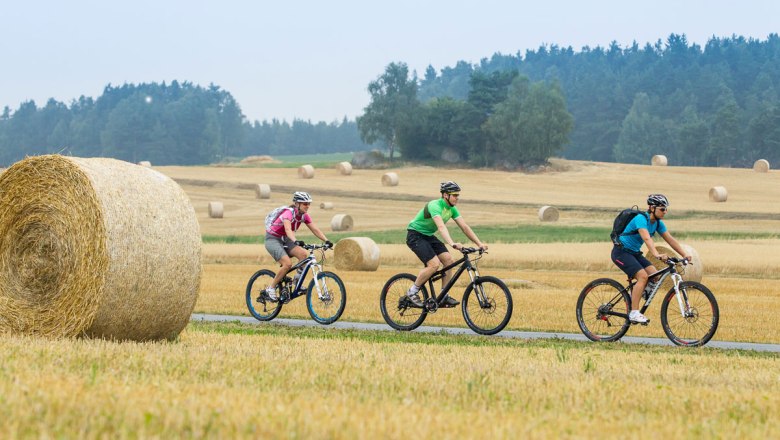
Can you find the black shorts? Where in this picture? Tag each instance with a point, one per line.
(424, 246)
(629, 262)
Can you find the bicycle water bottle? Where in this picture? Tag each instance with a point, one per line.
(648, 288)
(297, 276)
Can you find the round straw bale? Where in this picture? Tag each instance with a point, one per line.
(145, 163)
(761, 166)
(718, 194)
(97, 248)
(691, 272)
(357, 253)
(345, 168)
(341, 222)
(216, 209)
(326, 205)
(390, 179)
(306, 172)
(548, 214)
(263, 191)
(659, 160)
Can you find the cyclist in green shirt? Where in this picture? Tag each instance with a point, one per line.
(429, 249)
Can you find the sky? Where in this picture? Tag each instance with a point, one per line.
(313, 59)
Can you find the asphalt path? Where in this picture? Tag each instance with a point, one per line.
(465, 331)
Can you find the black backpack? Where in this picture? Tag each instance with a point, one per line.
(621, 221)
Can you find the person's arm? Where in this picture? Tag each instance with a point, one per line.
(469, 233)
(667, 236)
(651, 244)
(445, 233)
(316, 231)
(288, 231)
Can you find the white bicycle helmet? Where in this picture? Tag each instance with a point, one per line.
(301, 197)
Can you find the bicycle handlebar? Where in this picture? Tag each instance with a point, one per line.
(469, 250)
(671, 261)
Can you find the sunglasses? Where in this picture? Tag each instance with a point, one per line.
(662, 208)
(455, 194)
(305, 203)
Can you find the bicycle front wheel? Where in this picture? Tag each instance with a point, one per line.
(398, 311)
(696, 323)
(488, 311)
(257, 301)
(326, 304)
(602, 310)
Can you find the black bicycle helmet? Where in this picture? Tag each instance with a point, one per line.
(301, 196)
(449, 187)
(657, 200)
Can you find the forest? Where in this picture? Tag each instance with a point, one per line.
(711, 105)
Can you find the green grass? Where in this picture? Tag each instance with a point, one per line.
(511, 234)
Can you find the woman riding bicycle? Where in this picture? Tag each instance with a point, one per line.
(430, 250)
(628, 255)
(280, 239)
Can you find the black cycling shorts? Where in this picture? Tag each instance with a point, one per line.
(629, 262)
(424, 246)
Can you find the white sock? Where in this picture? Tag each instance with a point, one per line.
(414, 288)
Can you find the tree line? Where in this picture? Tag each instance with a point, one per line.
(715, 105)
(176, 123)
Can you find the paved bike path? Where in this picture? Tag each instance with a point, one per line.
(465, 331)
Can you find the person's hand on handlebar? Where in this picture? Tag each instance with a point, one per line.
(483, 246)
(662, 257)
(457, 246)
(299, 243)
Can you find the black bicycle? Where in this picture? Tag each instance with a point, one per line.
(486, 312)
(326, 296)
(689, 311)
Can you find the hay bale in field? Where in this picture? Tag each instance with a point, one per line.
(96, 247)
(345, 168)
(691, 272)
(341, 222)
(263, 191)
(326, 205)
(216, 209)
(548, 214)
(761, 166)
(306, 172)
(390, 179)
(659, 160)
(145, 163)
(258, 160)
(357, 253)
(718, 194)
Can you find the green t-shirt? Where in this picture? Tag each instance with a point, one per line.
(423, 222)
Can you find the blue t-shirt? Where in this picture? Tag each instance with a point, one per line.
(633, 242)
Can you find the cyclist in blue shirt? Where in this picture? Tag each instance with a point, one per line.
(628, 256)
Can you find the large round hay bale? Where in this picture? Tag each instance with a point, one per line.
(691, 272)
(357, 253)
(145, 163)
(345, 168)
(263, 191)
(326, 205)
(216, 209)
(718, 194)
(659, 160)
(548, 214)
(306, 172)
(390, 179)
(341, 222)
(96, 247)
(761, 166)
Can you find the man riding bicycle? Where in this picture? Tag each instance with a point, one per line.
(628, 256)
(429, 249)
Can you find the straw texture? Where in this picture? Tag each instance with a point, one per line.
(263, 191)
(341, 222)
(145, 163)
(345, 168)
(306, 172)
(718, 194)
(548, 214)
(761, 166)
(390, 179)
(326, 205)
(691, 272)
(216, 209)
(659, 160)
(97, 248)
(357, 253)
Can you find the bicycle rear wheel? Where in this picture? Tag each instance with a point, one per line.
(257, 301)
(326, 305)
(602, 310)
(488, 311)
(695, 326)
(398, 311)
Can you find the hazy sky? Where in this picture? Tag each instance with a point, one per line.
(313, 59)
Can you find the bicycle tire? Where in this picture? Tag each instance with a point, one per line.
(498, 310)
(695, 330)
(597, 297)
(396, 309)
(257, 300)
(328, 309)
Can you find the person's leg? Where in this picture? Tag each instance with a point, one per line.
(446, 259)
(639, 287)
(634, 267)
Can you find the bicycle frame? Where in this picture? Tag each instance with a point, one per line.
(465, 265)
(665, 273)
(308, 263)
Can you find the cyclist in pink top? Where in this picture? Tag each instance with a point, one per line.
(280, 239)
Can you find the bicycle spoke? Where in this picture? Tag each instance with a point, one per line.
(697, 324)
(487, 306)
(597, 300)
(327, 303)
(397, 310)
